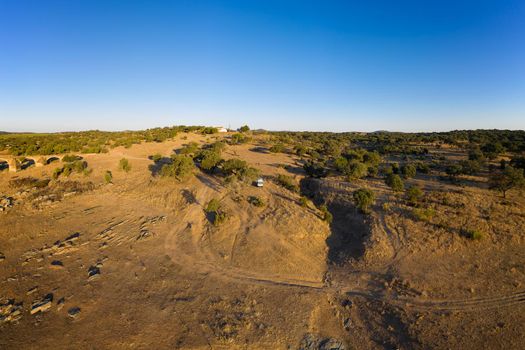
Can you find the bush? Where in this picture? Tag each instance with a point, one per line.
(108, 176)
(244, 128)
(363, 199)
(68, 158)
(180, 168)
(78, 166)
(124, 165)
(423, 214)
(414, 194)
(237, 139)
(472, 234)
(156, 157)
(314, 169)
(408, 171)
(395, 182)
(303, 201)
(190, 149)
(287, 182)
(57, 172)
(256, 201)
(213, 209)
(327, 216)
(423, 168)
(213, 205)
(277, 148)
(357, 170)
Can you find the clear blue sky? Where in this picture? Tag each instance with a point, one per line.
(297, 65)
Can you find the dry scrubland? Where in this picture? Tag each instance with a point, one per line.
(138, 260)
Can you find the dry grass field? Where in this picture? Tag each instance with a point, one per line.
(138, 263)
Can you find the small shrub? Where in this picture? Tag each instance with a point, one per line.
(277, 148)
(408, 171)
(156, 157)
(395, 182)
(473, 234)
(108, 177)
(69, 158)
(215, 214)
(237, 139)
(424, 214)
(303, 201)
(287, 182)
(190, 149)
(363, 199)
(414, 195)
(57, 172)
(213, 205)
(124, 165)
(256, 201)
(327, 216)
(244, 128)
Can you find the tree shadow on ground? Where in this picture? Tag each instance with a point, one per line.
(260, 149)
(209, 181)
(157, 165)
(349, 229)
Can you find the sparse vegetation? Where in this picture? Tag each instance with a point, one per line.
(424, 214)
(414, 195)
(256, 201)
(124, 165)
(108, 177)
(325, 214)
(472, 234)
(287, 182)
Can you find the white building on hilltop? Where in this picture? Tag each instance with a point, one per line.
(221, 129)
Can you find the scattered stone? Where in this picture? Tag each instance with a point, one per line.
(314, 342)
(60, 303)
(93, 272)
(57, 264)
(347, 304)
(42, 305)
(73, 312)
(32, 290)
(10, 311)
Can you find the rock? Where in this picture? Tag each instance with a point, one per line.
(60, 303)
(42, 305)
(10, 311)
(32, 290)
(73, 312)
(314, 342)
(93, 272)
(57, 264)
(331, 344)
(2, 257)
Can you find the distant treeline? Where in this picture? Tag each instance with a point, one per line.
(94, 141)
(397, 142)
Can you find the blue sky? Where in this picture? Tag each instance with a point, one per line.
(294, 65)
